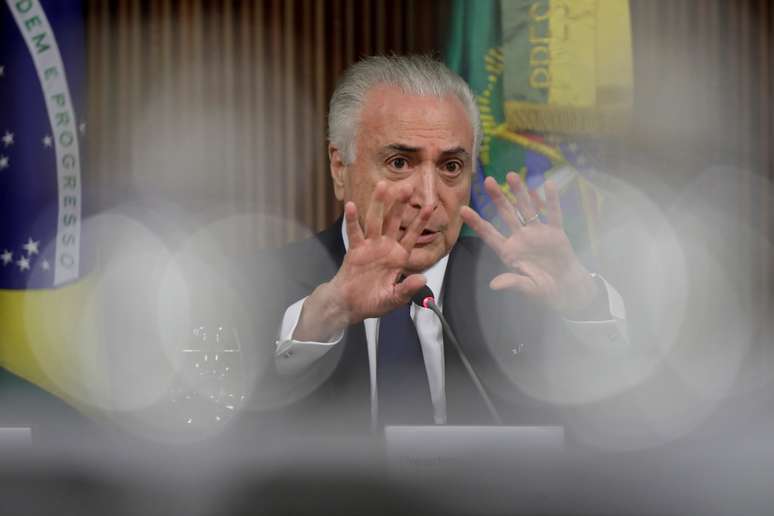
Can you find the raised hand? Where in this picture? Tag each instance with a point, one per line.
(370, 281)
(541, 260)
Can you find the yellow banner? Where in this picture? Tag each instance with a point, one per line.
(578, 54)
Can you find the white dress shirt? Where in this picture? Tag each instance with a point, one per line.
(293, 356)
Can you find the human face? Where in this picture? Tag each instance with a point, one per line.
(423, 141)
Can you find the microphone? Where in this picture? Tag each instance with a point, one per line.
(426, 299)
(423, 297)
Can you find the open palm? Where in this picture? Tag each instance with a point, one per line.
(541, 260)
(369, 280)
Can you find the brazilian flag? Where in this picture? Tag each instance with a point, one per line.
(43, 287)
(550, 77)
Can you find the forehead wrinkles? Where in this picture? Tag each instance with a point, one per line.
(413, 109)
(419, 121)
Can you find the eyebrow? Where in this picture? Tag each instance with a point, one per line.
(401, 148)
(455, 151)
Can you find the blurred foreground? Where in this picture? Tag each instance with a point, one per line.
(717, 475)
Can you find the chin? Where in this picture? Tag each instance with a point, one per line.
(423, 258)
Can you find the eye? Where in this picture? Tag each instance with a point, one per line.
(398, 163)
(452, 167)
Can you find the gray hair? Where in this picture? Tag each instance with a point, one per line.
(413, 74)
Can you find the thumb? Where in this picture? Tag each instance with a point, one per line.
(410, 286)
(510, 280)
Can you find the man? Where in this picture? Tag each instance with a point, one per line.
(404, 133)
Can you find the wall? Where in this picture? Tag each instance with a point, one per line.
(219, 106)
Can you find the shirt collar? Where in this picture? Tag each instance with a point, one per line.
(434, 273)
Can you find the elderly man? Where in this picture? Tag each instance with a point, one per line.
(404, 133)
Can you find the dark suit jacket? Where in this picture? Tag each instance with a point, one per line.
(503, 334)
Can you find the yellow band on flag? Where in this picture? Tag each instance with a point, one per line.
(50, 338)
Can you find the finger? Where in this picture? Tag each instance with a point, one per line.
(395, 214)
(354, 231)
(553, 208)
(510, 280)
(537, 202)
(393, 193)
(523, 202)
(410, 285)
(375, 215)
(416, 227)
(393, 220)
(483, 228)
(504, 207)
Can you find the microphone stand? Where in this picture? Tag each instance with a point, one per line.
(429, 302)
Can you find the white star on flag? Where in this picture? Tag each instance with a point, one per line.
(6, 257)
(31, 246)
(45, 265)
(82, 127)
(23, 263)
(3, 162)
(8, 139)
(47, 141)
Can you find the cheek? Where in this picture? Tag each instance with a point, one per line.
(360, 190)
(453, 232)
(458, 197)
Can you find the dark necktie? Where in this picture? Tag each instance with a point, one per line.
(404, 391)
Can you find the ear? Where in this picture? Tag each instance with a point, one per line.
(338, 171)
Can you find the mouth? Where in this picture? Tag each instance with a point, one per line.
(427, 236)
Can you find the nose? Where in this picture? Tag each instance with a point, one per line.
(425, 188)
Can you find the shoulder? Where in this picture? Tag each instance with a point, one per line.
(470, 245)
(306, 262)
(469, 252)
(328, 241)
(324, 247)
